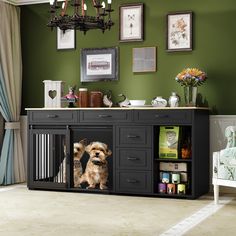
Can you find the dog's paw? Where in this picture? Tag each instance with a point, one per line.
(77, 186)
(90, 187)
(103, 187)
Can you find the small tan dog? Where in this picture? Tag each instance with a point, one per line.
(79, 149)
(96, 171)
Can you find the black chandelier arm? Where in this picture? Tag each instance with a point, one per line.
(80, 20)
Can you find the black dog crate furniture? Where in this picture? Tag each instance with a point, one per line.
(132, 134)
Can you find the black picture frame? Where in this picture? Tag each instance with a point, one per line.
(131, 27)
(99, 64)
(179, 31)
(65, 40)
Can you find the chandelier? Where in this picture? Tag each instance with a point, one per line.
(79, 20)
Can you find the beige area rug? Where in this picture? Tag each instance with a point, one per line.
(29, 212)
(223, 222)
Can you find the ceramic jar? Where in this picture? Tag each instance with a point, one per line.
(174, 100)
(95, 99)
(159, 102)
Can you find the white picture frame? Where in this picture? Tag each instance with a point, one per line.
(131, 22)
(66, 39)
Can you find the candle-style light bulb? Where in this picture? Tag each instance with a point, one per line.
(51, 2)
(85, 7)
(103, 5)
(63, 5)
(109, 1)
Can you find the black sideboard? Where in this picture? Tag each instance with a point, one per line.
(133, 136)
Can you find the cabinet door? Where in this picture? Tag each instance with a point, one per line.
(49, 162)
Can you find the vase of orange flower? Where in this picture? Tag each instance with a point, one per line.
(190, 79)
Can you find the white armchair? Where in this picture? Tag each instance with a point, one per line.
(224, 164)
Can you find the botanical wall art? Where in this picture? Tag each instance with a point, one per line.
(179, 31)
(99, 64)
(66, 39)
(131, 22)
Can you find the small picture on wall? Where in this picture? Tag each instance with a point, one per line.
(99, 64)
(131, 22)
(179, 31)
(65, 39)
(144, 59)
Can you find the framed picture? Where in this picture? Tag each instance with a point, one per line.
(179, 31)
(131, 22)
(144, 59)
(65, 40)
(99, 64)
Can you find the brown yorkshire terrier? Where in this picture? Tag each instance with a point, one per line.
(96, 171)
(79, 149)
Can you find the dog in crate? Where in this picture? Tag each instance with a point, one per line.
(96, 172)
(78, 152)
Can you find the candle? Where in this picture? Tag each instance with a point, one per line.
(82, 6)
(63, 5)
(85, 7)
(109, 1)
(103, 5)
(51, 2)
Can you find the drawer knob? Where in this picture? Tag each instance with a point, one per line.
(161, 116)
(52, 116)
(132, 136)
(132, 158)
(132, 181)
(104, 116)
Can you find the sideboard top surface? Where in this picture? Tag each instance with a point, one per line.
(120, 108)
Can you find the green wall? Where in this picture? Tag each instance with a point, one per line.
(214, 44)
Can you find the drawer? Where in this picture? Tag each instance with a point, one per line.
(163, 116)
(136, 159)
(135, 136)
(53, 117)
(105, 116)
(134, 182)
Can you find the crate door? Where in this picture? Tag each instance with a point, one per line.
(49, 163)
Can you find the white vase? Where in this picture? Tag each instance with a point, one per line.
(173, 100)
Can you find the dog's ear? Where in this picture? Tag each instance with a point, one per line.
(84, 141)
(88, 148)
(108, 152)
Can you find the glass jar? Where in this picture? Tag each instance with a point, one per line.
(95, 99)
(83, 97)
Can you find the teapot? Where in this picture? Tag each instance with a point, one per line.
(159, 102)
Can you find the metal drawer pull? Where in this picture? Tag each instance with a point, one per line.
(104, 116)
(132, 136)
(132, 181)
(161, 116)
(52, 116)
(132, 158)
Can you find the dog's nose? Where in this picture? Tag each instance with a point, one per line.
(97, 153)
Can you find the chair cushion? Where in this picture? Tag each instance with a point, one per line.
(227, 164)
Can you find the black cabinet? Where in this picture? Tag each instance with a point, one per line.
(132, 135)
